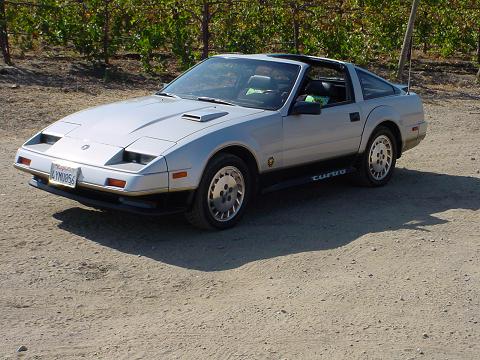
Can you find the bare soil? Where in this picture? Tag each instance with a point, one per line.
(328, 271)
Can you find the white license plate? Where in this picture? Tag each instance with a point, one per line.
(63, 175)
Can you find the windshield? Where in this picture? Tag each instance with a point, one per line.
(237, 81)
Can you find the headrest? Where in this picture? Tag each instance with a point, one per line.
(334, 90)
(260, 82)
(316, 87)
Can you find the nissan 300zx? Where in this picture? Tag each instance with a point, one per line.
(229, 127)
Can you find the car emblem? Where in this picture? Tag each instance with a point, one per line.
(270, 161)
(85, 147)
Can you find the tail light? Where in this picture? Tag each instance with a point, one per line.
(24, 161)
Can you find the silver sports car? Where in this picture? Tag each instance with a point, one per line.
(229, 127)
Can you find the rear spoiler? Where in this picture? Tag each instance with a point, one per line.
(402, 87)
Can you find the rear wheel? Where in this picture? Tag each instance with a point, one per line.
(376, 166)
(222, 195)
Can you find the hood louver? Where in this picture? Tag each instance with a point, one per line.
(203, 115)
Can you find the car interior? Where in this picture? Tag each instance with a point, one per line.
(267, 85)
(257, 86)
(325, 85)
(262, 89)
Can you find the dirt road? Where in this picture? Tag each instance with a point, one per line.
(321, 272)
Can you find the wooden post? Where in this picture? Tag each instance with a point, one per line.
(4, 35)
(407, 39)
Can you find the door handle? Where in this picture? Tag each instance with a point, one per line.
(355, 116)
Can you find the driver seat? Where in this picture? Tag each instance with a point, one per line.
(259, 84)
(316, 91)
(261, 89)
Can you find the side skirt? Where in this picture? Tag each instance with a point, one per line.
(306, 174)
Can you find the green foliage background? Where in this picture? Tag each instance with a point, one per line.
(356, 30)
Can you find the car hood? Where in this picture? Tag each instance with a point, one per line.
(122, 123)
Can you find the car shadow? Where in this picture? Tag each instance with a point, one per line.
(311, 218)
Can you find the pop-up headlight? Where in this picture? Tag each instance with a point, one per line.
(137, 158)
(49, 139)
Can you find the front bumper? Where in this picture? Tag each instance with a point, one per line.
(154, 204)
(95, 177)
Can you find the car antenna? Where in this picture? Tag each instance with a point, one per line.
(410, 64)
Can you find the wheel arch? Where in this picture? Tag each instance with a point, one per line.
(382, 116)
(197, 215)
(393, 127)
(242, 152)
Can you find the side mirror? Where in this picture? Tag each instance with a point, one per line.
(306, 107)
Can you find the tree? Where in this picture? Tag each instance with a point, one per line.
(299, 10)
(4, 35)
(106, 30)
(180, 36)
(185, 30)
(478, 46)
(203, 12)
(478, 54)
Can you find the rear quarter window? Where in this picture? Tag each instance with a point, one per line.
(373, 87)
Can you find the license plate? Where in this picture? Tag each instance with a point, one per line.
(63, 175)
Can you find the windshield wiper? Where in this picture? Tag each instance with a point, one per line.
(213, 100)
(161, 93)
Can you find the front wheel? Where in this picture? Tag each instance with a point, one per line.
(376, 166)
(222, 195)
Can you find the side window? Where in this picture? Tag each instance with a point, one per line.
(373, 87)
(326, 85)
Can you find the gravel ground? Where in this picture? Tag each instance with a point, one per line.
(327, 271)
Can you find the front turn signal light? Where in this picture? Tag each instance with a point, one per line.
(116, 183)
(179, 175)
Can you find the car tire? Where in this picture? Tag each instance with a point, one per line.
(223, 194)
(377, 164)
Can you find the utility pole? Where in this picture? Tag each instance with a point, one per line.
(407, 39)
(4, 35)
